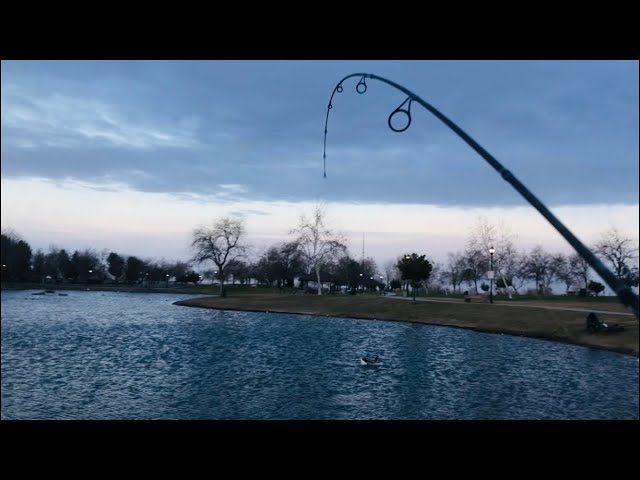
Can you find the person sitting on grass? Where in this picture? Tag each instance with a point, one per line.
(595, 325)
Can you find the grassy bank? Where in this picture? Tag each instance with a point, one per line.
(556, 325)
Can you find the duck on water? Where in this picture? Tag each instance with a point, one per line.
(370, 361)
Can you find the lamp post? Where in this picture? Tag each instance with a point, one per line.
(408, 257)
(491, 252)
(360, 286)
(167, 275)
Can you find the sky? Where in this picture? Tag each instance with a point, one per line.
(131, 156)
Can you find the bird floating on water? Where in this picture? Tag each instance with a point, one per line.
(375, 360)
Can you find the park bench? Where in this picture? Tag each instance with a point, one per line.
(475, 298)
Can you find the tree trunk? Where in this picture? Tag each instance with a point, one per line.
(319, 284)
(221, 278)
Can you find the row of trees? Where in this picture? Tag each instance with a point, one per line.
(19, 264)
(315, 249)
(282, 263)
(514, 268)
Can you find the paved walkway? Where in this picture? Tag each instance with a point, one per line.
(545, 307)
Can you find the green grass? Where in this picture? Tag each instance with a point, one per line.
(557, 325)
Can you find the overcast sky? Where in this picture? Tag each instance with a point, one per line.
(131, 155)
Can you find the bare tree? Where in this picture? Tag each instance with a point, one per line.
(368, 271)
(318, 243)
(454, 271)
(541, 267)
(555, 269)
(210, 274)
(563, 271)
(280, 263)
(484, 235)
(476, 265)
(235, 269)
(618, 250)
(431, 282)
(519, 275)
(221, 243)
(579, 269)
(391, 271)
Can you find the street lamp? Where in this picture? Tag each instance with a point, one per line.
(407, 257)
(491, 252)
(167, 275)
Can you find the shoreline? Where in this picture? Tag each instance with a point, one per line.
(560, 322)
(545, 323)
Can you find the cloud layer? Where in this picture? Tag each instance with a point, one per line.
(568, 130)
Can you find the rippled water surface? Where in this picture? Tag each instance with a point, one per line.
(110, 355)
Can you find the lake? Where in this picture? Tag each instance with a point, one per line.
(117, 355)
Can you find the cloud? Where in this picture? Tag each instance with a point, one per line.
(248, 211)
(64, 121)
(233, 188)
(567, 130)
